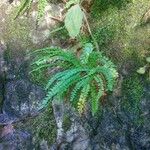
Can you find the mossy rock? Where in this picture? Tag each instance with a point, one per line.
(66, 122)
(100, 6)
(133, 90)
(116, 26)
(42, 127)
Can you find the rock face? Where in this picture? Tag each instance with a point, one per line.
(19, 98)
(12, 140)
(2, 72)
(22, 98)
(115, 128)
(23, 33)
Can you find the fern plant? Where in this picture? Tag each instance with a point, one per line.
(79, 79)
(26, 5)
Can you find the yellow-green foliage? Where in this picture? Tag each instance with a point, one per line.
(116, 25)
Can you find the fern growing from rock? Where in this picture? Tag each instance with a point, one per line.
(79, 80)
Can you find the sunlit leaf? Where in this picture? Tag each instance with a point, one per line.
(73, 20)
(141, 70)
(148, 59)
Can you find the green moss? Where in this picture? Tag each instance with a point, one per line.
(45, 127)
(66, 122)
(133, 91)
(116, 27)
(16, 33)
(39, 77)
(61, 34)
(42, 127)
(99, 6)
(84, 38)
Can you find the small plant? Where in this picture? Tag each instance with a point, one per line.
(145, 68)
(78, 79)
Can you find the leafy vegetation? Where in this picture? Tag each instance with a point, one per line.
(85, 78)
(78, 73)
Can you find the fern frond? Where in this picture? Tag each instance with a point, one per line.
(40, 67)
(55, 77)
(61, 85)
(100, 87)
(41, 8)
(70, 58)
(47, 65)
(43, 50)
(83, 81)
(65, 75)
(85, 91)
(22, 7)
(96, 93)
(54, 53)
(107, 74)
(72, 72)
(90, 75)
(83, 97)
(99, 82)
(58, 88)
(81, 105)
(93, 60)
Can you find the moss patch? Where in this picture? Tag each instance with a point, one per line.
(66, 122)
(116, 27)
(133, 90)
(100, 6)
(42, 127)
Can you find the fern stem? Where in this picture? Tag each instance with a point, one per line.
(90, 32)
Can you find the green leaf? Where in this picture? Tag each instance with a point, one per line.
(73, 20)
(148, 59)
(141, 70)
